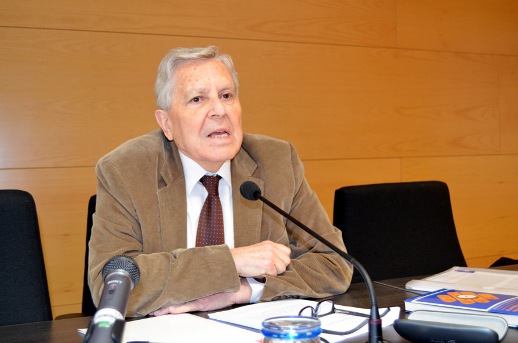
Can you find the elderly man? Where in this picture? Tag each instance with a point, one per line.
(151, 203)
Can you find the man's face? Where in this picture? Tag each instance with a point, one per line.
(205, 118)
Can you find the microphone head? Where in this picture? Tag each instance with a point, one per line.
(250, 190)
(124, 263)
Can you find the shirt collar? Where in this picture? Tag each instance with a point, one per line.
(193, 172)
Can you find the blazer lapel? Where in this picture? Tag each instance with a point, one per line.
(171, 200)
(247, 213)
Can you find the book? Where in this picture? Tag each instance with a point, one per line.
(474, 279)
(460, 301)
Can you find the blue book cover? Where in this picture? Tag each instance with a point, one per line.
(452, 300)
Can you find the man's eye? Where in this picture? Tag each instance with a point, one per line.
(226, 96)
(196, 99)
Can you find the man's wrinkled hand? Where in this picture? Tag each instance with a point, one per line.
(262, 259)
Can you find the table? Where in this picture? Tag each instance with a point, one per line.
(65, 330)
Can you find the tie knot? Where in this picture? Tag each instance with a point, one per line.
(211, 183)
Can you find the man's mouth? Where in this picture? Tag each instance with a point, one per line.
(218, 134)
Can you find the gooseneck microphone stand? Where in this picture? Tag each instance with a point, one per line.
(249, 190)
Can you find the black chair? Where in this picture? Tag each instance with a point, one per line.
(398, 229)
(504, 261)
(88, 308)
(24, 294)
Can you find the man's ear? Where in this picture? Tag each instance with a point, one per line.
(162, 118)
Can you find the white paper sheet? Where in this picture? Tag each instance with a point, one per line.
(253, 315)
(180, 328)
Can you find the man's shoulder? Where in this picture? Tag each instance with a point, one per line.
(267, 151)
(258, 141)
(144, 146)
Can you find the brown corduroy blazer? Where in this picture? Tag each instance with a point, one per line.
(141, 212)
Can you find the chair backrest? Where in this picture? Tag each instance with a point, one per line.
(88, 308)
(398, 229)
(24, 294)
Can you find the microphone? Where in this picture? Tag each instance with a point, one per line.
(249, 190)
(120, 274)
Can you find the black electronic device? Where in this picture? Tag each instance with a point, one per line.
(439, 327)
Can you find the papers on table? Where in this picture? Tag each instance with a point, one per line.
(240, 325)
(252, 316)
(185, 328)
(473, 279)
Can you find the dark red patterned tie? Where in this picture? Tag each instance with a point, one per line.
(210, 225)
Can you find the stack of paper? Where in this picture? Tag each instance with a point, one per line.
(473, 279)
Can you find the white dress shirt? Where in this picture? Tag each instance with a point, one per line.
(196, 195)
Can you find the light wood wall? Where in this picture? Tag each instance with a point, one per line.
(369, 91)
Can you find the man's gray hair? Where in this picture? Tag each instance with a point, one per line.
(175, 58)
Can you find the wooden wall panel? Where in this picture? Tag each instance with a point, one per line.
(61, 196)
(327, 176)
(370, 23)
(482, 26)
(66, 98)
(412, 104)
(375, 102)
(509, 103)
(484, 194)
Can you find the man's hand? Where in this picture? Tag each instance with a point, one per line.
(261, 259)
(212, 302)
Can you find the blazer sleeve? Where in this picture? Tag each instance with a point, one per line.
(315, 270)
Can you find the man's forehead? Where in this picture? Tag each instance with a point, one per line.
(194, 76)
(197, 71)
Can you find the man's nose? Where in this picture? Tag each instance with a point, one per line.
(216, 107)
